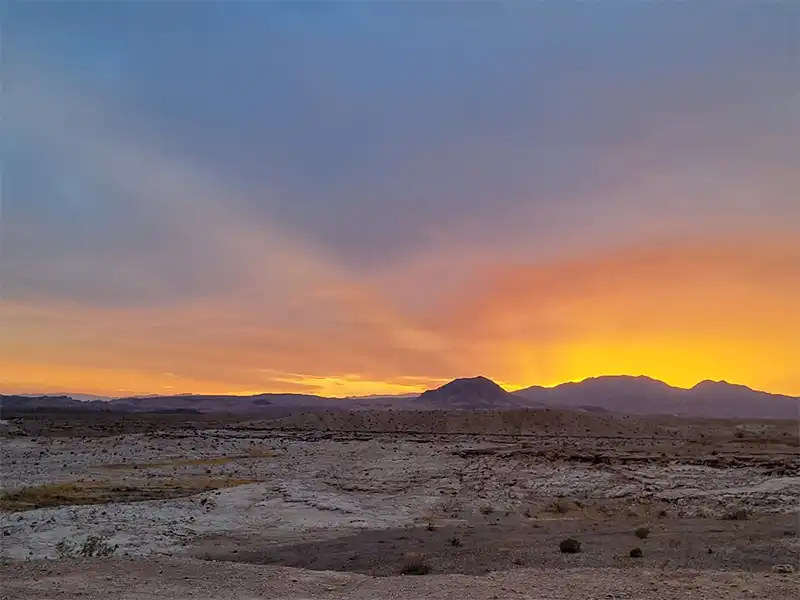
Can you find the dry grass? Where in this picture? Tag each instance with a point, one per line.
(188, 462)
(82, 493)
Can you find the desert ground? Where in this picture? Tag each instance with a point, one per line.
(398, 505)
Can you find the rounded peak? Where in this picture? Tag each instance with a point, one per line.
(477, 381)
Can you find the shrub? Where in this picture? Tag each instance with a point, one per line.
(570, 546)
(736, 515)
(66, 548)
(455, 541)
(415, 565)
(636, 553)
(642, 533)
(93, 546)
(430, 527)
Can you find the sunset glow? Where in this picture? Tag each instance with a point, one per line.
(469, 203)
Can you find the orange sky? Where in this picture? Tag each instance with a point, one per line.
(678, 313)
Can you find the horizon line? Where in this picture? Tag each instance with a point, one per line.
(509, 389)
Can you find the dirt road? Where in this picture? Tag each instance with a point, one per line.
(183, 579)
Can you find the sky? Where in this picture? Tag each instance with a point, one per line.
(376, 197)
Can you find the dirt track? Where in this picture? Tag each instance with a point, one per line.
(157, 579)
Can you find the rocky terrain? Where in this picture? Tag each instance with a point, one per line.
(330, 504)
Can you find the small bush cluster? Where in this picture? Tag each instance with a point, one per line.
(642, 533)
(415, 565)
(93, 546)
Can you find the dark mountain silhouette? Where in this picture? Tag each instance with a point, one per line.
(181, 403)
(646, 396)
(617, 394)
(473, 393)
(40, 403)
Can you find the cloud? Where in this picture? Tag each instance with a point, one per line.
(280, 298)
(355, 218)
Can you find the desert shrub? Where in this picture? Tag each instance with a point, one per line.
(642, 533)
(736, 515)
(570, 546)
(455, 541)
(558, 507)
(93, 546)
(96, 546)
(66, 548)
(415, 565)
(636, 553)
(430, 527)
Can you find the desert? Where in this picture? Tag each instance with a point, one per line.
(399, 504)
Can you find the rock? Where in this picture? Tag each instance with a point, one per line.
(783, 569)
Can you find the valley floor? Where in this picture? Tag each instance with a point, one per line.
(249, 511)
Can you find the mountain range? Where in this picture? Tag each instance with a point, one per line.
(614, 394)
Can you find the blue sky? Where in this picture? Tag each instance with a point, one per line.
(160, 152)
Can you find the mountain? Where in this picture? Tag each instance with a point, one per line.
(181, 403)
(621, 394)
(40, 403)
(646, 396)
(473, 393)
(616, 394)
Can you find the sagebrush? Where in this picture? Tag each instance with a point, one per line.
(94, 546)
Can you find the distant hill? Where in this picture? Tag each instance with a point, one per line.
(73, 395)
(598, 395)
(181, 403)
(646, 396)
(473, 393)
